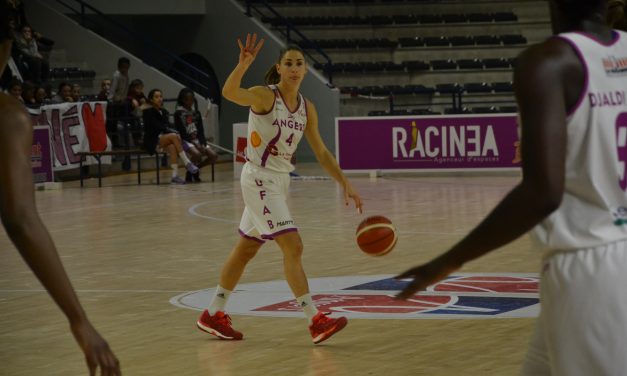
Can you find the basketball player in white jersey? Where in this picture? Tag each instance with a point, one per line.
(279, 117)
(572, 94)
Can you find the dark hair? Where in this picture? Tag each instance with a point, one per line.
(5, 28)
(152, 92)
(133, 84)
(182, 94)
(580, 9)
(272, 76)
(123, 60)
(15, 82)
(616, 14)
(62, 85)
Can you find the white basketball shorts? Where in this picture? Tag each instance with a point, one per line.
(266, 214)
(582, 327)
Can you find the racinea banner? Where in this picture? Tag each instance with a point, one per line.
(428, 143)
(74, 127)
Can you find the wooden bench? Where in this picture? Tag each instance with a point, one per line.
(130, 152)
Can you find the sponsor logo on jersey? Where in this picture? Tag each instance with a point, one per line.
(284, 223)
(463, 295)
(620, 216)
(615, 66)
(255, 139)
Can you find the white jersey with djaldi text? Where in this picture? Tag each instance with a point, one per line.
(594, 206)
(274, 136)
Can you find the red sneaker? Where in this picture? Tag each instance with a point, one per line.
(323, 328)
(219, 325)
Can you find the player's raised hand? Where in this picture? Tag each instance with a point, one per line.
(98, 355)
(423, 276)
(248, 52)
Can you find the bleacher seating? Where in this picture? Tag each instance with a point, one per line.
(71, 73)
(427, 49)
(443, 64)
(405, 42)
(398, 19)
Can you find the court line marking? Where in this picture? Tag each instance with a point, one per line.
(92, 291)
(193, 211)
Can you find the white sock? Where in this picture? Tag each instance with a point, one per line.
(307, 305)
(184, 157)
(175, 170)
(218, 303)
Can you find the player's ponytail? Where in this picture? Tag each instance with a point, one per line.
(272, 75)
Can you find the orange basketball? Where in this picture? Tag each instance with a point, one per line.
(376, 235)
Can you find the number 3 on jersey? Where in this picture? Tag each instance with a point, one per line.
(621, 146)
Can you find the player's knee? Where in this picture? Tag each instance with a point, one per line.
(293, 251)
(249, 253)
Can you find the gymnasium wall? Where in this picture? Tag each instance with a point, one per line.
(213, 35)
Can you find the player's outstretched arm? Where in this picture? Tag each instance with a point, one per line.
(25, 228)
(542, 69)
(326, 159)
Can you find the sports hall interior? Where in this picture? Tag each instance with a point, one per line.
(131, 248)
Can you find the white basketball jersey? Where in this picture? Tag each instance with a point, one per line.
(274, 136)
(594, 206)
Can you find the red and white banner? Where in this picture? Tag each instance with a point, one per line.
(74, 127)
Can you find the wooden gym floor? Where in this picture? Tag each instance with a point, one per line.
(129, 249)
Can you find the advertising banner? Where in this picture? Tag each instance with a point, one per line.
(430, 143)
(41, 155)
(74, 127)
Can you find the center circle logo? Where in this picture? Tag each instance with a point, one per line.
(460, 296)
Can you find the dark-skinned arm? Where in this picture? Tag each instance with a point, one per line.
(539, 87)
(25, 228)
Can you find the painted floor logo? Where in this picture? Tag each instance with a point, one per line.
(460, 296)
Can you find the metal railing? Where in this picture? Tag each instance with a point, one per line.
(289, 31)
(155, 55)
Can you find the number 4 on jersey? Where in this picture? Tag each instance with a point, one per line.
(290, 139)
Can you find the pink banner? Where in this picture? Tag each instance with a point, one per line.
(41, 155)
(428, 143)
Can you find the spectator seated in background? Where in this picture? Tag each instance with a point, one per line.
(158, 133)
(38, 67)
(105, 90)
(188, 122)
(15, 90)
(17, 15)
(28, 94)
(117, 112)
(41, 97)
(64, 94)
(76, 93)
(136, 103)
(136, 99)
